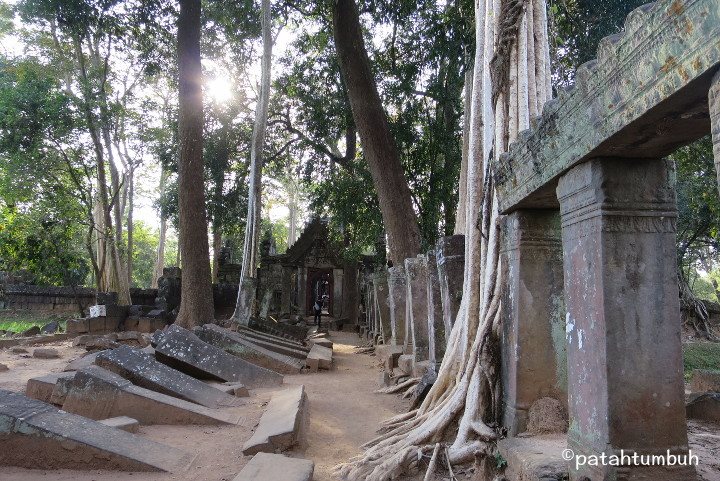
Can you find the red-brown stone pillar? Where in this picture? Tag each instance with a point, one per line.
(534, 361)
(625, 369)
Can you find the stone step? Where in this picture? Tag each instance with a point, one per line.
(100, 394)
(279, 425)
(248, 350)
(184, 351)
(37, 435)
(144, 370)
(537, 458)
(319, 358)
(276, 467)
(41, 388)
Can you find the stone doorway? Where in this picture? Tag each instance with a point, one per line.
(319, 285)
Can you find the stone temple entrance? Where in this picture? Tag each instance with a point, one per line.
(319, 286)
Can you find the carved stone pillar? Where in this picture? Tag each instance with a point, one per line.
(382, 300)
(436, 327)
(534, 359)
(417, 341)
(397, 291)
(451, 272)
(625, 366)
(714, 101)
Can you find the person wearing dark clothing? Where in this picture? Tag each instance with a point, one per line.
(317, 307)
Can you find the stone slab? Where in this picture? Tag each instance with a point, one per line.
(62, 388)
(81, 362)
(386, 351)
(319, 358)
(37, 435)
(705, 407)
(279, 425)
(100, 394)
(122, 422)
(705, 381)
(275, 467)
(537, 458)
(183, 350)
(144, 370)
(406, 363)
(41, 388)
(248, 350)
(321, 342)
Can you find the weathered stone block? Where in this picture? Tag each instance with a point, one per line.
(122, 422)
(435, 323)
(145, 371)
(30, 426)
(274, 467)
(280, 424)
(397, 292)
(100, 394)
(625, 367)
(182, 350)
(41, 388)
(705, 381)
(46, 353)
(533, 353)
(418, 339)
(705, 407)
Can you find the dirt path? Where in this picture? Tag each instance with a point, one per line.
(343, 413)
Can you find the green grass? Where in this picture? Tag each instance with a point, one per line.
(22, 320)
(701, 355)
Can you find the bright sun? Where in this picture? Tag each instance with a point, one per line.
(220, 89)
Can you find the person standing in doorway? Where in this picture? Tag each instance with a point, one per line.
(317, 307)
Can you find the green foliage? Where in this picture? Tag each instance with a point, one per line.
(700, 355)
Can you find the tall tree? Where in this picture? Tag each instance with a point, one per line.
(511, 81)
(248, 275)
(196, 301)
(376, 139)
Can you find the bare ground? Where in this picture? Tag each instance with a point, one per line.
(343, 413)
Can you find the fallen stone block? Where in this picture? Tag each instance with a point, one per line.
(275, 467)
(236, 389)
(41, 388)
(62, 388)
(122, 422)
(537, 458)
(18, 350)
(33, 331)
(279, 425)
(3, 367)
(276, 344)
(705, 381)
(705, 407)
(248, 350)
(100, 394)
(182, 350)
(144, 370)
(406, 363)
(46, 353)
(319, 358)
(321, 342)
(81, 362)
(58, 439)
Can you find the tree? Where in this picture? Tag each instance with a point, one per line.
(196, 306)
(511, 79)
(248, 275)
(378, 144)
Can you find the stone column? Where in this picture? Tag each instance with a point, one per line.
(337, 301)
(714, 101)
(534, 359)
(417, 338)
(625, 365)
(382, 299)
(302, 291)
(451, 272)
(397, 292)
(286, 289)
(436, 327)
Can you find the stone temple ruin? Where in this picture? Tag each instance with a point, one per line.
(591, 343)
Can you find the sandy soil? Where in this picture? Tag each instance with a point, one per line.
(343, 413)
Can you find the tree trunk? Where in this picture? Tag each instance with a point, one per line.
(160, 259)
(130, 229)
(375, 137)
(217, 245)
(196, 297)
(462, 194)
(462, 405)
(248, 275)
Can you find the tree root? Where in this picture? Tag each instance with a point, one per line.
(399, 387)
